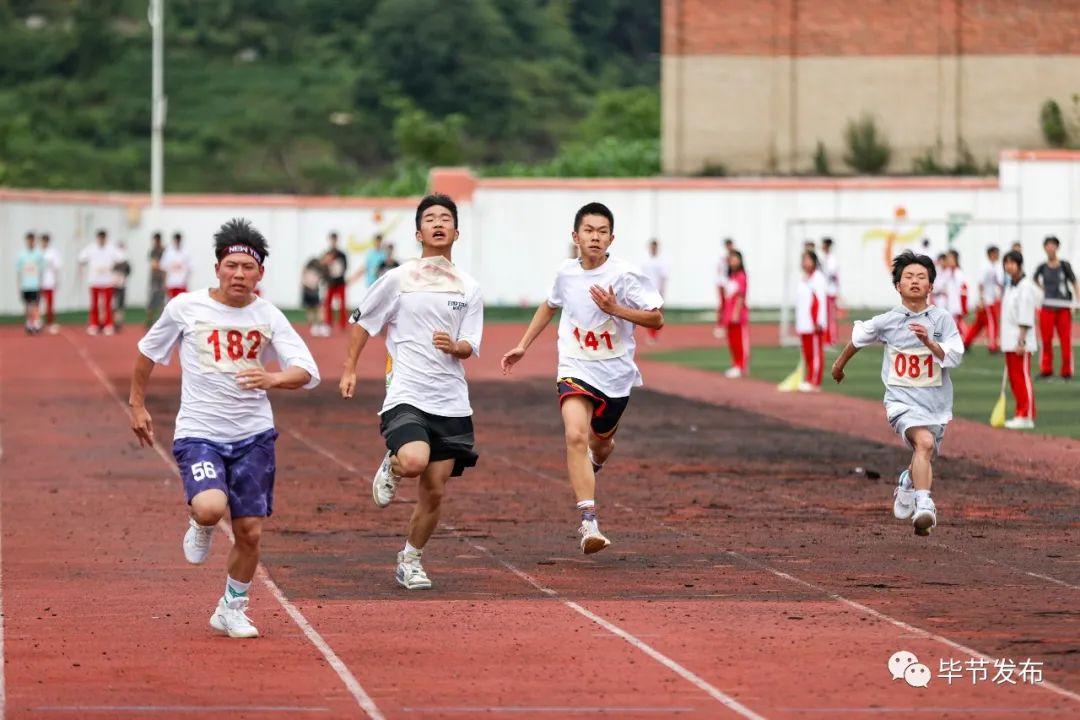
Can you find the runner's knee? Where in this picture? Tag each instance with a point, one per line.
(411, 461)
(209, 506)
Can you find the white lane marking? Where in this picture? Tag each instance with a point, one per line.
(179, 708)
(918, 631)
(1052, 687)
(560, 709)
(641, 645)
(355, 689)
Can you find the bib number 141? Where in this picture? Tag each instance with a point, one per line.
(593, 341)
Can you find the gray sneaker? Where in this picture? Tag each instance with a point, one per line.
(384, 484)
(904, 497)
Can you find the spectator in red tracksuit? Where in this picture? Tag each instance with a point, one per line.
(1018, 340)
(1058, 282)
(721, 282)
(736, 316)
(988, 311)
(811, 319)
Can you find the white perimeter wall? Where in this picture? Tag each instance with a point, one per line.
(515, 232)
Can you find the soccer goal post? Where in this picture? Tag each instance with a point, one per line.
(864, 248)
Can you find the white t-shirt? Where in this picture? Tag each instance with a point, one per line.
(594, 346)
(177, 266)
(831, 266)
(656, 269)
(99, 260)
(412, 302)
(811, 311)
(52, 269)
(957, 290)
(216, 342)
(1019, 307)
(991, 283)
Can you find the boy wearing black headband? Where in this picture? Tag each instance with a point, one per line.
(223, 441)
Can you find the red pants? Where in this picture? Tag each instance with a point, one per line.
(335, 291)
(961, 326)
(170, 293)
(1019, 367)
(47, 298)
(101, 295)
(986, 318)
(813, 353)
(1051, 319)
(739, 344)
(832, 328)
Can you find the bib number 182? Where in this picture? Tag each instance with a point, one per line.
(233, 344)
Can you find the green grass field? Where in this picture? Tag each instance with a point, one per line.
(976, 383)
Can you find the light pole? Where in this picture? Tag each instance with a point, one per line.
(157, 105)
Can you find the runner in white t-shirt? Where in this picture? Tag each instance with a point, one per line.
(177, 265)
(602, 299)
(433, 316)
(223, 441)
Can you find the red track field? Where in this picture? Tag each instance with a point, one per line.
(752, 574)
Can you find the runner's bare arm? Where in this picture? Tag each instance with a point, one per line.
(539, 321)
(838, 366)
(141, 423)
(291, 378)
(357, 342)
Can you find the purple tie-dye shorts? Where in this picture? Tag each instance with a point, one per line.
(243, 470)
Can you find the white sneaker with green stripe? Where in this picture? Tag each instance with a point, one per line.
(230, 619)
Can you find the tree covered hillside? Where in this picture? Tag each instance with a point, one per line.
(327, 96)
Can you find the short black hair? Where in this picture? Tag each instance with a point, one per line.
(736, 253)
(1052, 239)
(813, 257)
(942, 256)
(239, 231)
(907, 258)
(432, 200)
(827, 242)
(594, 208)
(177, 236)
(1015, 255)
(29, 235)
(955, 255)
(45, 237)
(157, 236)
(729, 241)
(991, 249)
(101, 233)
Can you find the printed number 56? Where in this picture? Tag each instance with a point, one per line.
(202, 470)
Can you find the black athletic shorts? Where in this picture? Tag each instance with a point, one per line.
(309, 299)
(607, 411)
(450, 438)
(31, 296)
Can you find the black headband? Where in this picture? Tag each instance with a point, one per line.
(246, 249)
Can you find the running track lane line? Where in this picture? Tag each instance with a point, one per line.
(759, 565)
(354, 687)
(713, 692)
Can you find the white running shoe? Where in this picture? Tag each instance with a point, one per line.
(1020, 423)
(903, 506)
(197, 541)
(230, 619)
(91, 330)
(410, 573)
(109, 330)
(53, 329)
(384, 484)
(592, 540)
(925, 518)
(718, 332)
(807, 387)
(733, 373)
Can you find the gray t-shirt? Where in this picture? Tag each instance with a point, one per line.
(915, 380)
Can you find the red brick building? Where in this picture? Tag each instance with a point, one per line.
(754, 85)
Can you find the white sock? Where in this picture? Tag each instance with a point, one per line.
(235, 589)
(907, 484)
(409, 549)
(922, 495)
